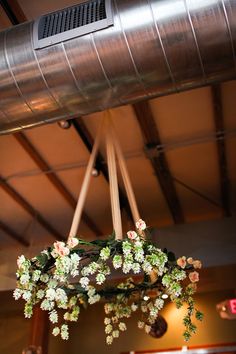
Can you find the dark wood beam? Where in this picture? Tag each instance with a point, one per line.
(39, 331)
(13, 11)
(158, 159)
(29, 209)
(54, 180)
(222, 160)
(13, 234)
(100, 164)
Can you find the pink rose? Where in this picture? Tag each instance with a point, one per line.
(181, 262)
(141, 225)
(197, 264)
(61, 249)
(72, 242)
(194, 277)
(132, 235)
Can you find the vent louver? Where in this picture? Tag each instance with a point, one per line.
(72, 22)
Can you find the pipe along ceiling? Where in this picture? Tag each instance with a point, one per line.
(107, 53)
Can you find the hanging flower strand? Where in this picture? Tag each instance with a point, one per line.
(69, 275)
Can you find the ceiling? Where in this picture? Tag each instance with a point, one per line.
(179, 150)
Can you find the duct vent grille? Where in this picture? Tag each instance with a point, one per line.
(72, 22)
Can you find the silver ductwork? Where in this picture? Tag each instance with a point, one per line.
(150, 48)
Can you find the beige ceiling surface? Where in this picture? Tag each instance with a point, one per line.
(186, 126)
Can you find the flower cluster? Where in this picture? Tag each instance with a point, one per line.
(70, 275)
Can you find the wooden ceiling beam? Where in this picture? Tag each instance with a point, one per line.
(221, 150)
(13, 11)
(29, 209)
(13, 234)
(100, 164)
(54, 180)
(159, 162)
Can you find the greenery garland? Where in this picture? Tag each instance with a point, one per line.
(74, 274)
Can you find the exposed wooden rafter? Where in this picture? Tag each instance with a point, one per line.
(13, 234)
(29, 209)
(55, 181)
(100, 164)
(219, 129)
(158, 160)
(13, 11)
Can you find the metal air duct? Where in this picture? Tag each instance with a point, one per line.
(148, 48)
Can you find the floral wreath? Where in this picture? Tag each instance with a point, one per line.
(75, 274)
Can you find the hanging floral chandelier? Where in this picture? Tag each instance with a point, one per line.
(77, 273)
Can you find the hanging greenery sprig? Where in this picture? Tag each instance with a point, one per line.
(70, 275)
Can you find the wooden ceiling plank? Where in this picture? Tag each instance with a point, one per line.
(29, 209)
(221, 150)
(159, 162)
(13, 11)
(100, 164)
(54, 180)
(13, 234)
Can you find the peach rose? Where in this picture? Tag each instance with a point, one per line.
(72, 242)
(132, 235)
(190, 260)
(61, 249)
(194, 277)
(197, 264)
(141, 225)
(181, 262)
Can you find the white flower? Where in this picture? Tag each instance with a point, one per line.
(115, 334)
(47, 305)
(36, 275)
(147, 267)
(100, 278)
(24, 279)
(141, 225)
(134, 307)
(117, 261)
(61, 296)
(84, 281)
(40, 294)
(159, 303)
(52, 283)
(17, 294)
(122, 326)
(147, 329)
(44, 278)
(93, 299)
(53, 316)
(20, 261)
(105, 253)
(50, 294)
(127, 266)
(26, 295)
(109, 340)
(126, 247)
(108, 329)
(64, 332)
(136, 268)
(56, 331)
(141, 324)
(107, 320)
